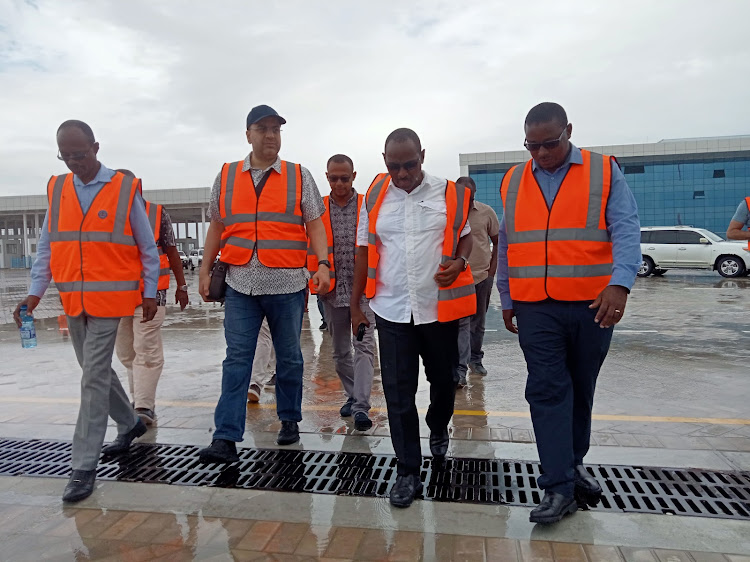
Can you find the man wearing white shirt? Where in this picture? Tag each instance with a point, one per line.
(412, 261)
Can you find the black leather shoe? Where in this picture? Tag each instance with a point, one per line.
(80, 486)
(587, 492)
(552, 508)
(362, 422)
(439, 443)
(346, 409)
(288, 434)
(405, 490)
(220, 451)
(122, 442)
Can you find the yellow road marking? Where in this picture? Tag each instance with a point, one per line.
(326, 408)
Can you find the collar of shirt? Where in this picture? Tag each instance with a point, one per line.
(574, 157)
(246, 164)
(348, 201)
(104, 175)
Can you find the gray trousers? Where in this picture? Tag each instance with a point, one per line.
(355, 373)
(471, 328)
(102, 394)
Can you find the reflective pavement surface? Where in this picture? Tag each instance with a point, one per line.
(673, 392)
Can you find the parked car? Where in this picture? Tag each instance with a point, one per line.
(687, 247)
(196, 258)
(185, 260)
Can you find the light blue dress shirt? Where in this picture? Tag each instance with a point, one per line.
(41, 275)
(620, 216)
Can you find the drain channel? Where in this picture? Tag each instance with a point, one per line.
(631, 489)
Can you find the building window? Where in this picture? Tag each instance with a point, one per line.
(719, 174)
(634, 170)
(12, 249)
(699, 194)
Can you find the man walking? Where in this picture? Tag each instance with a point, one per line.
(412, 264)
(340, 220)
(95, 249)
(740, 220)
(569, 251)
(139, 345)
(262, 211)
(483, 263)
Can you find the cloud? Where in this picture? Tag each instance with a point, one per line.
(166, 85)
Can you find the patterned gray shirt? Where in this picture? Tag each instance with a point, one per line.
(254, 278)
(344, 229)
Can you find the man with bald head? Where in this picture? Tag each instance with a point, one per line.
(95, 241)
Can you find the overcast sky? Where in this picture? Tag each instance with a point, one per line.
(166, 86)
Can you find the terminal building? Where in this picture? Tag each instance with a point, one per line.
(697, 181)
(21, 218)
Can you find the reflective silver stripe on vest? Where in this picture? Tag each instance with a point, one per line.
(509, 205)
(596, 190)
(560, 235)
(281, 245)
(372, 238)
(152, 219)
(538, 271)
(57, 189)
(374, 193)
(456, 292)
(239, 242)
(231, 173)
(291, 190)
(264, 216)
(458, 220)
(371, 272)
(97, 286)
(121, 215)
(165, 271)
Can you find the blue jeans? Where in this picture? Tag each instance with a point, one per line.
(242, 319)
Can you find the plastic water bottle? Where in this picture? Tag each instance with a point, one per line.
(28, 332)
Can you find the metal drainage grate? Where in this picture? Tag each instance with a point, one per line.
(629, 489)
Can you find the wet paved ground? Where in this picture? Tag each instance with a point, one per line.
(673, 392)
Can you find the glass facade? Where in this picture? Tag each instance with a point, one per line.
(672, 190)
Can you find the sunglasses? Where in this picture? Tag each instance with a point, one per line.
(548, 145)
(335, 179)
(77, 156)
(395, 167)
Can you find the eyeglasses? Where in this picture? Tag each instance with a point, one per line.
(77, 156)
(395, 167)
(263, 130)
(336, 179)
(548, 145)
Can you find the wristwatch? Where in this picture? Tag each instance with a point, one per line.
(466, 261)
(325, 263)
(182, 288)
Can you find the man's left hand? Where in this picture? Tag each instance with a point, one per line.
(450, 271)
(181, 297)
(149, 310)
(322, 280)
(611, 304)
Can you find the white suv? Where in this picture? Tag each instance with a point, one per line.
(686, 247)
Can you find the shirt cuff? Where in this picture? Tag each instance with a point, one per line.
(505, 301)
(38, 288)
(622, 279)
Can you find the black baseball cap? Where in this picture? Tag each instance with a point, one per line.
(260, 112)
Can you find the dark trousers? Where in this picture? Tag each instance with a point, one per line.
(401, 346)
(564, 350)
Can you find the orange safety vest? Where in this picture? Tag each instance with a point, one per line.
(561, 252)
(458, 300)
(312, 259)
(270, 225)
(154, 213)
(94, 259)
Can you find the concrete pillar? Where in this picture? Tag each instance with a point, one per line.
(26, 248)
(203, 225)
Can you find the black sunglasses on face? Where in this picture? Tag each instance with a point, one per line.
(335, 179)
(395, 167)
(548, 145)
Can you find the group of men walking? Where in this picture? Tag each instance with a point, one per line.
(414, 257)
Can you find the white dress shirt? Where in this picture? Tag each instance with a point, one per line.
(411, 230)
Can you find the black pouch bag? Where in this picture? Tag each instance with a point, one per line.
(218, 285)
